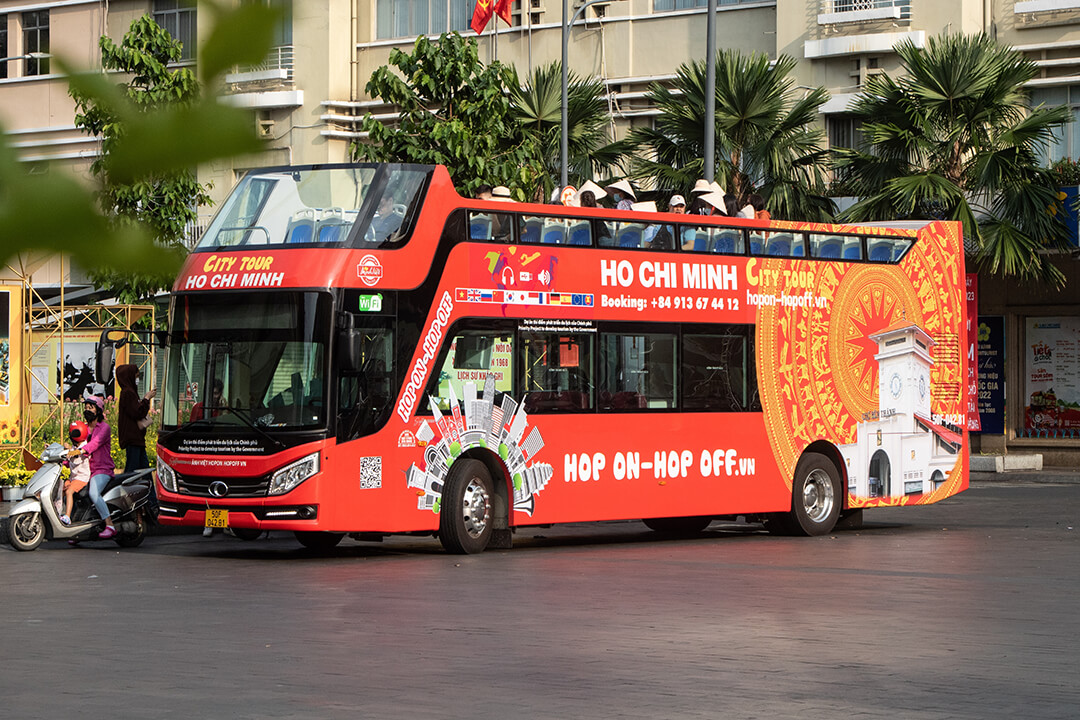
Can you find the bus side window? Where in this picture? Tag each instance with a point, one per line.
(555, 371)
(637, 371)
(885, 249)
(757, 242)
(728, 241)
(828, 247)
(470, 356)
(530, 229)
(717, 369)
(365, 394)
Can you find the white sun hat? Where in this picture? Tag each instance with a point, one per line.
(716, 199)
(701, 186)
(624, 187)
(646, 206)
(597, 191)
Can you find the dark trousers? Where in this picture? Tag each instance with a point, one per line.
(136, 458)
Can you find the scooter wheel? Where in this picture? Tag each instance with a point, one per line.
(26, 531)
(129, 538)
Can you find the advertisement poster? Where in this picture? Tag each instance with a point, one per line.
(1052, 377)
(10, 363)
(992, 373)
(71, 375)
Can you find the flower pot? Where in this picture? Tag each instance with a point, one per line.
(11, 494)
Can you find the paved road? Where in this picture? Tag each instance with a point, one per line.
(966, 609)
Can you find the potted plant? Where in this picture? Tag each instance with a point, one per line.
(12, 482)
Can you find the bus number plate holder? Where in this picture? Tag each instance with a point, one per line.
(217, 518)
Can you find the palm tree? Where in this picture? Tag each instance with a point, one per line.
(537, 107)
(766, 138)
(954, 139)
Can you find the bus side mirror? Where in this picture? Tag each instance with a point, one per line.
(350, 346)
(110, 340)
(103, 365)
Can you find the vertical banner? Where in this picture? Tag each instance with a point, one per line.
(10, 364)
(992, 374)
(971, 298)
(1052, 377)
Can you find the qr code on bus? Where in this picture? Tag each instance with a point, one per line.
(370, 473)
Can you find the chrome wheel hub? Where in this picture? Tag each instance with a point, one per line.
(818, 497)
(476, 507)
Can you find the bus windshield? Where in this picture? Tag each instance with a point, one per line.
(358, 206)
(255, 360)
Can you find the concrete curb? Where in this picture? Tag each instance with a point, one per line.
(1048, 476)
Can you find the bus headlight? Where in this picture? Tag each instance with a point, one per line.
(166, 476)
(293, 474)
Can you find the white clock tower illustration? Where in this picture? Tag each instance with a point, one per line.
(904, 369)
(901, 449)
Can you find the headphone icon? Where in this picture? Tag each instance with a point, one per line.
(508, 276)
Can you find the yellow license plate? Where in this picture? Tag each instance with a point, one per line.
(217, 518)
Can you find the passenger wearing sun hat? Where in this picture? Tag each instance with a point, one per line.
(701, 186)
(622, 193)
(716, 199)
(677, 204)
(501, 193)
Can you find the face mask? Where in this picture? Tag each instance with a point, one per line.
(89, 415)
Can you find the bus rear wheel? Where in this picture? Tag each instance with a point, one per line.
(678, 525)
(816, 496)
(465, 518)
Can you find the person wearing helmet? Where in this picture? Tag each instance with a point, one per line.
(79, 462)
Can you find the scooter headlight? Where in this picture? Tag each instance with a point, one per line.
(166, 476)
(293, 474)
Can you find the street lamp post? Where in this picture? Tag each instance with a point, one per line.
(564, 140)
(710, 93)
(27, 56)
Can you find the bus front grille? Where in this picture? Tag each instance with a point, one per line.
(237, 487)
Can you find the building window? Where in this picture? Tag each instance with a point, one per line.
(1066, 140)
(409, 18)
(36, 40)
(3, 46)
(844, 132)
(177, 17)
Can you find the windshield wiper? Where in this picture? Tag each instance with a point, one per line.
(246, 419)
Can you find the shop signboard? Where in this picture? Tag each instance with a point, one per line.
(991, 375)
(1052, 377)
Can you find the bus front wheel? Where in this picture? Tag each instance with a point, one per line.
(816, 496)
(318, 541)
(465, 518)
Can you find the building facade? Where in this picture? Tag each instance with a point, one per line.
(308, 95)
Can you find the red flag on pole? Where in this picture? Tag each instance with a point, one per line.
(502, 9)
(481, 15)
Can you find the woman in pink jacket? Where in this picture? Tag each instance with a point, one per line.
(99, 447)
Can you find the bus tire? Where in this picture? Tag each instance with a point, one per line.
(678, 525)
(465, 516)
(249, 534)
(319, 541)
(816, 496)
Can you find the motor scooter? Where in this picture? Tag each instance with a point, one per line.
(36, 518)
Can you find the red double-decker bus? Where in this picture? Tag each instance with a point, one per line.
(358, 350)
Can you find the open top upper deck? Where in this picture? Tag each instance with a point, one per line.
(380, 225)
